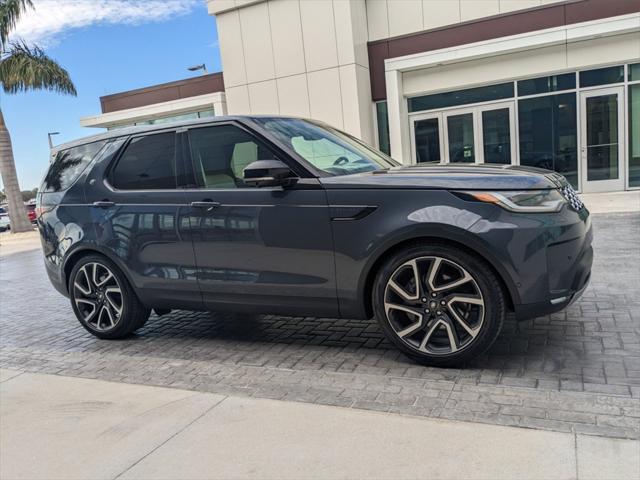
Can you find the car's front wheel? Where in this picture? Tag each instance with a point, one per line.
(102, 299)
(440, 305)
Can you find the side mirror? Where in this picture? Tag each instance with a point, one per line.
(269, 173)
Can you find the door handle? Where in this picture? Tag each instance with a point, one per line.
(103, 204)
(205, 204)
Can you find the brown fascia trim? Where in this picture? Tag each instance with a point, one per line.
(164, 92)
(513, 23)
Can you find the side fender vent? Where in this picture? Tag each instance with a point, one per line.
(347, 213)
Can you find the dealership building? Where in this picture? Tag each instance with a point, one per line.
(551, 84)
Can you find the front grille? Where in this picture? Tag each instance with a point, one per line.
(572, 197)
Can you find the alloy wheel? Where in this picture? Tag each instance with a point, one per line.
(98, 296)
(434, 305)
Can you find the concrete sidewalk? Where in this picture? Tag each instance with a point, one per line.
(61, 427)
(612, 202)
(11, 243)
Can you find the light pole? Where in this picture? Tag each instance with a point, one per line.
(49, 135)
(195, 68)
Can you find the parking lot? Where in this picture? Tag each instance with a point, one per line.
(577, 371)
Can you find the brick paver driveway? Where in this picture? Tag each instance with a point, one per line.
(578, 370)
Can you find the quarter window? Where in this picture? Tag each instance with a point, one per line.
(148, 163)
(221, 153)
(68, 166)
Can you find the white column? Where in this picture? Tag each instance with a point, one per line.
(398, 118)
(220, 106)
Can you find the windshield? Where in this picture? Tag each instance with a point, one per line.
(327, 149)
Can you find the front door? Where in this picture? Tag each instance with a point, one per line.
(267, 247)
(602, 136)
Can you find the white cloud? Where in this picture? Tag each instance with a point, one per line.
(52, 19)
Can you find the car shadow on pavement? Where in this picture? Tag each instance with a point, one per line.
(264, 333)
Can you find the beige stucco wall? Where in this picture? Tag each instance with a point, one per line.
(297, 57)
(309, 57)
(389, 18)
(540, 61)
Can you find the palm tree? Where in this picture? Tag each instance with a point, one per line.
(22, 68)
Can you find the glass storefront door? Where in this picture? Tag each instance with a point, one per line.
(602, 137)
(496, 126)
(482, 134)
(460, 137)
(426, 140)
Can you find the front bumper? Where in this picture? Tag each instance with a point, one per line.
(553, 305)
(568, 271)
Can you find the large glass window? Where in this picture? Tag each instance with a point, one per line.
(221, 153)
(634, 135)
(634, 72)
(548, 134)
(382, 117)
(325, 148)
(148, 163)
(68, 166)
(554, 83)
(461, 97)
(427, 139)
(602, 76)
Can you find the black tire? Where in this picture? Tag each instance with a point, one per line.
(132, 316)
(489, 323)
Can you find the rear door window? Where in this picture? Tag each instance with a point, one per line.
(148, 163)
(68, 165)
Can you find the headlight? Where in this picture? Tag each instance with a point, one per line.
(524, 201)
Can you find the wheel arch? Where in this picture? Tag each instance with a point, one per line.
(461, 240)
(81, 251)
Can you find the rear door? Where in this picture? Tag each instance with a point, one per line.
(140, 216)
(267, 249)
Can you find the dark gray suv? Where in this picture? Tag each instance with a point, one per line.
(290, 216)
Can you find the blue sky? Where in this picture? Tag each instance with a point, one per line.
(130, 49)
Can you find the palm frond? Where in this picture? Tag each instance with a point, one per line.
(10, 11)
(29, 68)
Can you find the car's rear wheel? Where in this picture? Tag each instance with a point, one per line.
(102, 299)
(440, 305)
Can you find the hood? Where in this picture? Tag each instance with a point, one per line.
(451, 176)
